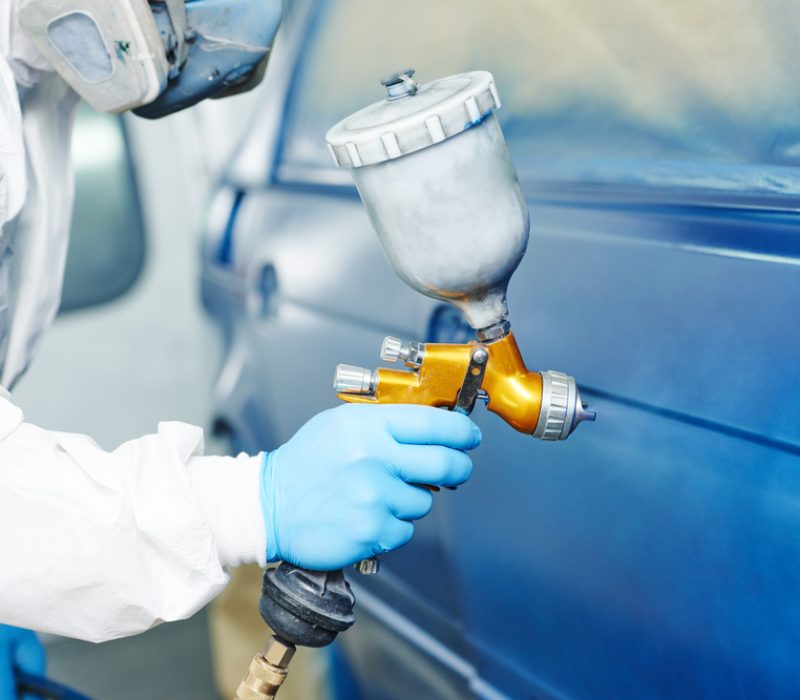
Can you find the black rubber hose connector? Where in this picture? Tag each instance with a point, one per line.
(306, 608)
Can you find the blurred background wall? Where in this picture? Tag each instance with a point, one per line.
(115, 370)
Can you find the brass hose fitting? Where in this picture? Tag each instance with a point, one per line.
(302, 608)
(267, 672)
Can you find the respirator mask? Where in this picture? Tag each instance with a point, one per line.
(153, 57)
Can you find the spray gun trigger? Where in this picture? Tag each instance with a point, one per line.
(471, 387)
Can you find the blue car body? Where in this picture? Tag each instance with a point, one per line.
(656, 553)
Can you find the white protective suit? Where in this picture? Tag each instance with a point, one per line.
(93, 545)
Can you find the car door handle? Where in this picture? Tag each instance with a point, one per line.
(266, 289)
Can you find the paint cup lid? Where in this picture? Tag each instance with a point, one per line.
(413, 116)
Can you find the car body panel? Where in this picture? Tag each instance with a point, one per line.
(655, 553)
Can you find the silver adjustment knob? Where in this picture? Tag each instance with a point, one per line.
(350, 379)
(394, 349)
(562, 409)
(391, 349)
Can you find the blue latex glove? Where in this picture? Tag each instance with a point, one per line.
(21, 649)
(340, 490)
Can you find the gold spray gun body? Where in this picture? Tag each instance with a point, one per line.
(545, 404)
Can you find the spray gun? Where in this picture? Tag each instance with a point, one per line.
(434, 172)
(435, 175)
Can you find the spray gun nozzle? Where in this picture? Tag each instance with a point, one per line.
(582, 414)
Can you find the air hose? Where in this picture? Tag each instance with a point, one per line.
(40, 687)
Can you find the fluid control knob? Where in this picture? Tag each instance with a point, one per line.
(350, 379)
(391, 349)
(394, 349)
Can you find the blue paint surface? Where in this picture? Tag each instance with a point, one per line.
(656, 554)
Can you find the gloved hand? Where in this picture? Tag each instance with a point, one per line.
(340, 490)
(18, 649)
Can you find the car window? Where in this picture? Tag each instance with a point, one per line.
(588, 87)
(107, 239)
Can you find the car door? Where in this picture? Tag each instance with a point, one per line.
(654, 553)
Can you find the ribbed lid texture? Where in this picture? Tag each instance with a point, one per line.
(428, 114)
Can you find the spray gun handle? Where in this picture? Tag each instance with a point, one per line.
(351, 382)
(371, 566)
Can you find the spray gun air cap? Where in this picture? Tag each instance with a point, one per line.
(433, 169)
(562, 408)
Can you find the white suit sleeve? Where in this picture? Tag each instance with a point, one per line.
(98, 545)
